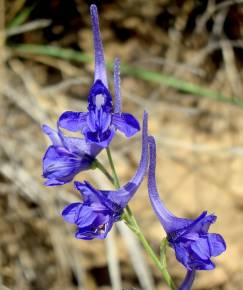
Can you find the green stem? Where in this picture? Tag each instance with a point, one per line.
(132, 223)
(162, 267)
(114, 174)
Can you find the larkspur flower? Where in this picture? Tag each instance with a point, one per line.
(190, 239)
(100, 209)
(100, 122)
(66, 157)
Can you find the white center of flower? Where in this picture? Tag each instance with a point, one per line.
(99, 100)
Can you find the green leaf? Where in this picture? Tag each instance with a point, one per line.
(147, 75)
(163, 248)
(21, 17)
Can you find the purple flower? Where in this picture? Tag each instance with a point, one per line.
(100, 122)
(99, 210)
(66, 157)
(190, 239)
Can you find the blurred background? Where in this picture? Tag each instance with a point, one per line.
(183, 63)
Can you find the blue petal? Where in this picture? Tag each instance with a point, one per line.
(108, 227)
(126, 123)
(60, 166)
(99, 230)
(99, 123)
(94, 149)
(53, 135)
(91, 122)
(216, 244)
(102, 140)
(201, 224)
(81, 147)
(201, 248)
(70, 212)
(92, 194)
(86, 191)
(182, 255)
(79, 214)
(97, 91)
(54, 182)
(76, 145)
(203, 264)
(105, 120)
(191, 236)
(86, 217)
(191, 260)
(117, 85)
(73, 121)
(85, 234)
(100, 69)
(207, 221)
(96, 199)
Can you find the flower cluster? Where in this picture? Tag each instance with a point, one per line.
(99, 210)
(95, 215)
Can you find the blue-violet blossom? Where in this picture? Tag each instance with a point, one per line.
(66, 157)
(190, 239)
(100, 122)
(95, 216)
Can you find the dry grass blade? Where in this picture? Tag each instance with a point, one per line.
(64, 85)
(112, 259)
(138, 261)
(2, 15)
(212, 8)
(16, 6)
(230, 68)
(22, 180)
(111, 247)
(30, 189)
(30, 26)
(2, 41)
(22, 101)
(169, 63)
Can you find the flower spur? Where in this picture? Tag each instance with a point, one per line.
(190, 239)
(100, 122)
(100, 209)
